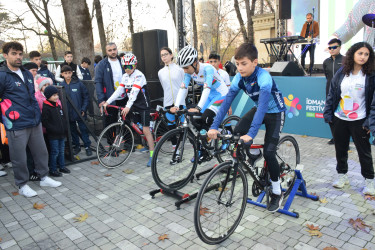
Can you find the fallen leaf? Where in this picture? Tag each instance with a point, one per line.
(107, 175)
(203, 211)
(369, 197)
(123, 151)
(330, 248)
(349, 151)
(313, 194)
(315, 233)
(77, 157)
(145, 244)
(15, 193)
(95, 163)
(359, 224)
(304, 136)
(163, 237)
(312, 227)
(220, 189)
(81, 217)
(1, 206)
(324, 200)
(38, 206)
(128, 171)
(1, 239)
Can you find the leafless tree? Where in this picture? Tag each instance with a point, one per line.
(99, 20)
(131, 21)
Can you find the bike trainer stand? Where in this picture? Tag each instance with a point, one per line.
(181, 197)
(299, 184)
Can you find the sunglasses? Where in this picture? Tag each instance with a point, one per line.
(129, 67)
(333, 47)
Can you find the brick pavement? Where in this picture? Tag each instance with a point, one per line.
(123, 216)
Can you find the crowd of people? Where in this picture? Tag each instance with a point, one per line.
(34, 119)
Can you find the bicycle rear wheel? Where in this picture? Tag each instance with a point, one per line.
(221, 145)
(288, 156)
(169, 170)
(214, 219)
(115, 145)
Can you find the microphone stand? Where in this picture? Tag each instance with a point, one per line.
(312, 51)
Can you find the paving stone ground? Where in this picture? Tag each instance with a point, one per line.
(122, 214)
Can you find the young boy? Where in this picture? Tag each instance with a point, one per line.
(53, 120)
(68, 57)
(214, 60)
(84, 68)
(77, 91)
(269, 109)
(35, 57)
(133, 84)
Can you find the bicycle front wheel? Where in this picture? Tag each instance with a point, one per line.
(172, 171)
(218, 209)
(115, 144)
(288, 156)
(161, 128)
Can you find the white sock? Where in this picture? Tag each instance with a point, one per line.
(276, 187)
(177, 151)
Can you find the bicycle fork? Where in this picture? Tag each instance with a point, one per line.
(227, 179)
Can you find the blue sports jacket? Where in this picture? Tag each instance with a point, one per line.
(77, 91)
(44, 71)
(262, 89)
(85, 73)
(104, 80)
(19, 108)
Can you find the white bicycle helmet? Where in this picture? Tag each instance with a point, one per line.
(128, 59)
(187, 56)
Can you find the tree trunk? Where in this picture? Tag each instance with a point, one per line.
(79, 28)
(194, 20)
(131, 21)
(99, 19)
(240, 20)
(250, 23)
(172, 8)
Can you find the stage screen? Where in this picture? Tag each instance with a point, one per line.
(331, 15)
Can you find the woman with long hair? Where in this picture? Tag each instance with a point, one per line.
(350, 107)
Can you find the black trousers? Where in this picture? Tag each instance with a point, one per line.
(311, 50)
(274, 124)
(342, 130)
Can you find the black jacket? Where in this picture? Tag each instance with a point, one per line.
(77, 91)
(44, 71)
(53, 120)
(72, 65)
(334, 97)
(85, 73)
(330, 68)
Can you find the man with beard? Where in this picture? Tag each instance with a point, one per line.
(108, 75)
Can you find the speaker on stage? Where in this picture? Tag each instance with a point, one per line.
(285, 9)
(286, 69)
(137, 47)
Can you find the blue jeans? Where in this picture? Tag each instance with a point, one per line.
(84, 134)
(56, 155)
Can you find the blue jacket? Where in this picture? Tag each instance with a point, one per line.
(19, 108)
(85, 73)
(44, 71)
(104, 80)
(334, 97)
(77, 91)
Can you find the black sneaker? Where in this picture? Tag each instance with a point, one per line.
(55, 173)
(275, 202)
(64, 170)
(175, 160)
(76, 150)
(331, 142)
(88, 152)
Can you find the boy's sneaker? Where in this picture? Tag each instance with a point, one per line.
(88, 152)
(49, 182)
(175, 160)
(1, 167)
(64, 170)
(3, 173)
(26, 191)
(370, 187)
(275, 202)
(149, 162)
(341, 181)
(55, 173)
(76, 150)
(199, 157)
(144, 149)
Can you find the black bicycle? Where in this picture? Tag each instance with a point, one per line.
(179, 151)
(222, 198)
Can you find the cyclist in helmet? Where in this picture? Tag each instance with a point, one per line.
(214, 87)
(133, 85)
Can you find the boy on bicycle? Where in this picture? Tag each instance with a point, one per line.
(269, 109)
(133, 84)
(214, 88)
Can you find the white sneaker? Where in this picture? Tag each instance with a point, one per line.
(8, 165)
(1, 167)
(3, 173)
(341, 181)
(49, 182)
(370, 187)
(26, 191)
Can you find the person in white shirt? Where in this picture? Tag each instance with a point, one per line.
(68, 57)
